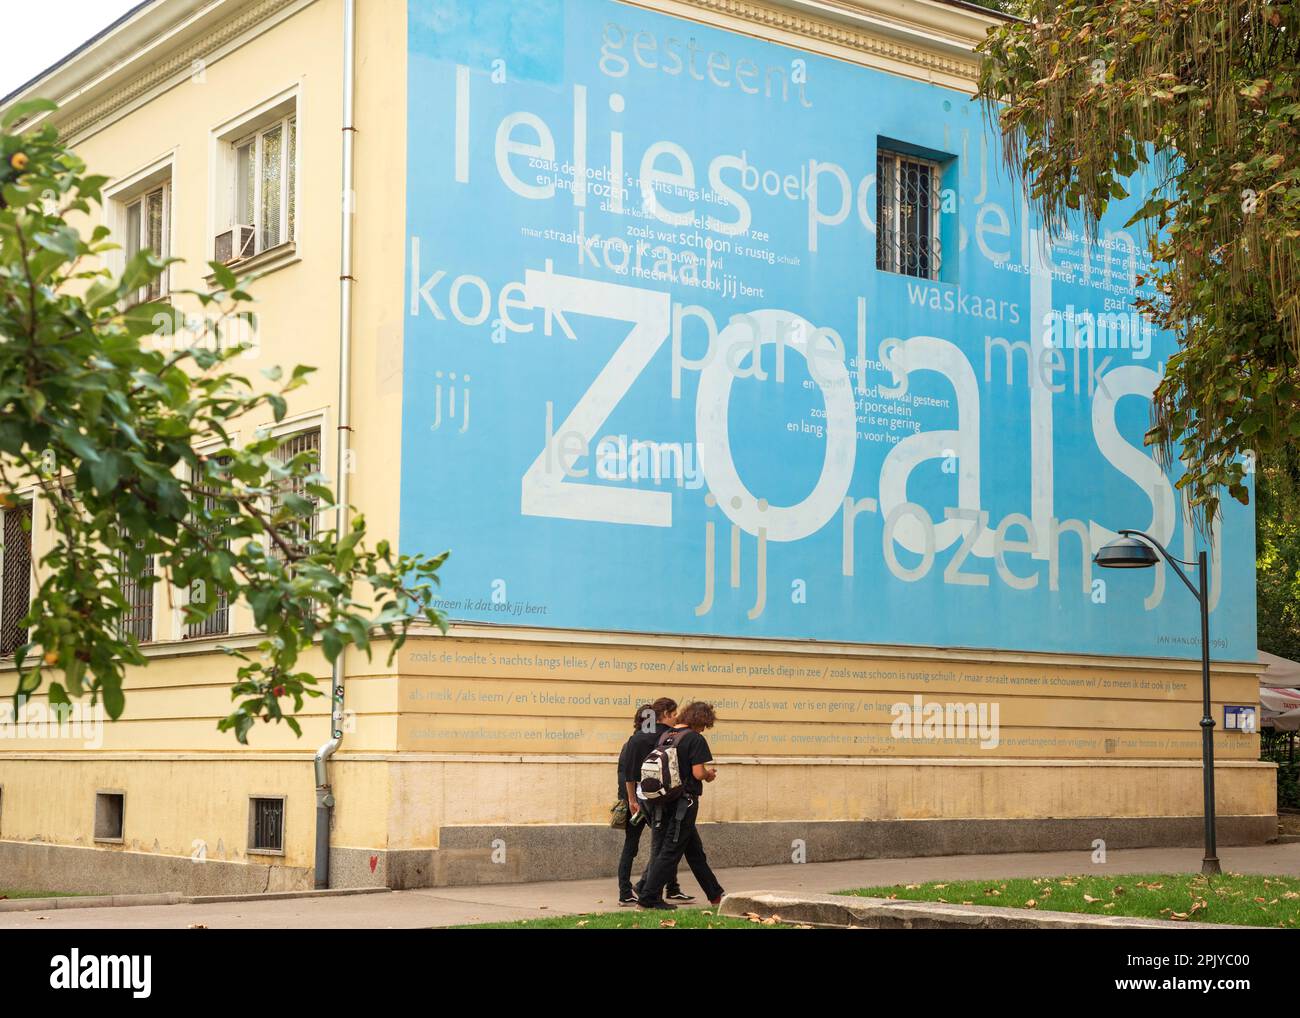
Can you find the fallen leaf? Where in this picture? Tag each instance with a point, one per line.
(198, 926)
(992, 890)
(1090, 899)
(583, 922)
(1031, 903)
(940, 887)
(1118, 890)
(1109, 904)
(667, 922)
(911, 887)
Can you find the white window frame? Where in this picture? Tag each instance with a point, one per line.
(227, 140)
(257, 142)
(134, 189)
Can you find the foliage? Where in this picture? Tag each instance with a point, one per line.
(1277, 563)
(1232, 898)
(134, 452)
(1205, 96)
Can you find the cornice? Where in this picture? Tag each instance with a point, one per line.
(177, 63)
(935, 39)
(926, 39)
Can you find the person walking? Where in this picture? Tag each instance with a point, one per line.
(652, 720)
(675, 820)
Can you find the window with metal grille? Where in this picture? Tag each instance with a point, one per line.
(266, 824)
(15, 576)
(306, 441)
(907, 214)
(137, 620)
(217, 623)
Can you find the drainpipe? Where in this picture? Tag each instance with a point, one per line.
(324, 792)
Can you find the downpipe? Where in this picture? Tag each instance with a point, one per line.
(324, 789)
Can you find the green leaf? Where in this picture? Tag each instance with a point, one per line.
(26, 109)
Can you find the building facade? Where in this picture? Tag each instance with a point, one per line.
(713, 340)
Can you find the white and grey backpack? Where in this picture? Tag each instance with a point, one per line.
(662, 780)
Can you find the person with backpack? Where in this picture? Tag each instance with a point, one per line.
(672, 781)
(652, 720)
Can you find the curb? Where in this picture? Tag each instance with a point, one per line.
(841, 911)
(171, 898)
(89, 901)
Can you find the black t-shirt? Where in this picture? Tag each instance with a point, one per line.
(692, 749)
(633, 755)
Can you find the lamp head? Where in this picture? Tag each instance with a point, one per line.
(1126, 553)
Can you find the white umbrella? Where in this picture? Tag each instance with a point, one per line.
(1279, 693)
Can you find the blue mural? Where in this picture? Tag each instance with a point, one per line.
(673, 364)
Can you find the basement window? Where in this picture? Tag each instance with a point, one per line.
(266, 824)
(110, 816)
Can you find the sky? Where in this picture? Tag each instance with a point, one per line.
(32, 40)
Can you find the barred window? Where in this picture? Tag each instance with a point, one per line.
(907, 215)
(218, 622)
(306, 441)
(15, 576)
(137, 620)
(266, 824)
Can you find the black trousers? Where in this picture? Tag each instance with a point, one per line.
(631, 845)
(678, 837)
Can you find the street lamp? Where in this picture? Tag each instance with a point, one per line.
(1136, 550)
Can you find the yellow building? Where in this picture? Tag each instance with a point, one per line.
(487, 755)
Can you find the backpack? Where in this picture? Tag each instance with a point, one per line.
(662, 780)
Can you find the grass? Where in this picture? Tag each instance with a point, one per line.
(633, 919)
(1233, 898)
(6, 893)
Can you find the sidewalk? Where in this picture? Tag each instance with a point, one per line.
(449, 906)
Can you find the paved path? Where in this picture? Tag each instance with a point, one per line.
(448, 906)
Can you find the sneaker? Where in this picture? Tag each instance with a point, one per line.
(628, 901)
(679, 895)
(658, 906)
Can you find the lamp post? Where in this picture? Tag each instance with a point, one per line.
(1136, 550)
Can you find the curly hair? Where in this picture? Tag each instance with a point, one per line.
(697, 715)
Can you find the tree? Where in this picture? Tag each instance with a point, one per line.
(1205, 96)
(105, 403)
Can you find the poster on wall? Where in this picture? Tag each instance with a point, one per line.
(707, 335)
